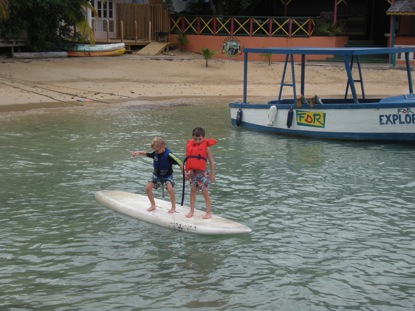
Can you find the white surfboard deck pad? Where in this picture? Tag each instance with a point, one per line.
(136, 205)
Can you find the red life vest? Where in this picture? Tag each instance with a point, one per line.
(196, 155)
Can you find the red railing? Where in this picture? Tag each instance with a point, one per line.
(242, 26)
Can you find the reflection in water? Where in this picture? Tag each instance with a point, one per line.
(332, 221)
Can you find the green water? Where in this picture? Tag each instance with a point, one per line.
(333, 222)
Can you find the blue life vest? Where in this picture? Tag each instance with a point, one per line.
(161, 164)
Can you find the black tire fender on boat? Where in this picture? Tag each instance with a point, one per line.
(239, 117)
(290, 117)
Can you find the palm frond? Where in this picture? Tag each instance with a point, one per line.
(85, 31)
(4, 10)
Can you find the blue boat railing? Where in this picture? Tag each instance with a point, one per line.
(350, 56)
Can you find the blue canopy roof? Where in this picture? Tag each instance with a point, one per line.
(329, 51)
(349, 56)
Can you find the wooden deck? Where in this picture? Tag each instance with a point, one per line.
(144, 47)
(14, 43)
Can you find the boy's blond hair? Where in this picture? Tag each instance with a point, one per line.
(157, 141)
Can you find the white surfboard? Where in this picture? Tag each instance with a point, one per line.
(136, 205)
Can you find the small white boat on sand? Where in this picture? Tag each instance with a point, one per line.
(112, 49)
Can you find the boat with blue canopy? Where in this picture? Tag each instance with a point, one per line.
(350, 117)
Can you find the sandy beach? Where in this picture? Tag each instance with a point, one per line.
(61, 82)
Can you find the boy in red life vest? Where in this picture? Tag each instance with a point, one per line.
(197, 154)
(163, 160)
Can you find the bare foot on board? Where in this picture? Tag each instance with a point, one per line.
(207, 216)
(172, 210)
(189, 215)
(151, 208)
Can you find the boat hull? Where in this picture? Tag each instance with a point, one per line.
(389, 120)
(96, 53)
(97, 47)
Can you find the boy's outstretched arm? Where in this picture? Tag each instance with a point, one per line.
(136, 153)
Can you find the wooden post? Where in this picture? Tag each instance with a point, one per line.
(198, 25)
(310, 27)
(135, 31)
(149, 31)
(251, 26)
(335, 13)
(215, 19)
(122, 31)
(108, 30)
(392, 40)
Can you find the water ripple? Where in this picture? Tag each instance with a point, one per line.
(333, 223)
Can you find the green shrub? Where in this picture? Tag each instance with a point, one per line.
(183, 40)
(208, 54)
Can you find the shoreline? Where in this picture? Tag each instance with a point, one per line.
(142, 101)
(27, 84)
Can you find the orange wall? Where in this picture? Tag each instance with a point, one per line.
(197, 42)
(404, 40)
